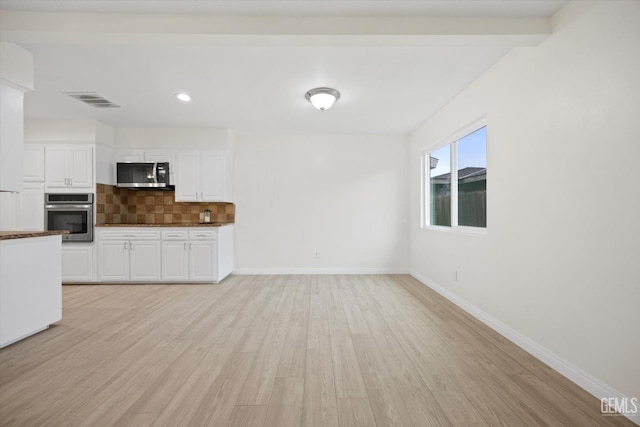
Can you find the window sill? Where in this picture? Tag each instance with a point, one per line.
(472, 231)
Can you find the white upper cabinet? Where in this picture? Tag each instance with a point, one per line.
(203, 176)
(69, 166)
(33, 163)
(56, 167)
(188, 177)
(213, 176)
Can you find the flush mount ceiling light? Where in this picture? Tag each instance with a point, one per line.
(184, 97)
(322, 97)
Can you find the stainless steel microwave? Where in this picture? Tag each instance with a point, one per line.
(143, 175)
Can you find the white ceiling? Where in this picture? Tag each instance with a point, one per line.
(250, 73)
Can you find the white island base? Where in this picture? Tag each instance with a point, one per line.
(30, 286)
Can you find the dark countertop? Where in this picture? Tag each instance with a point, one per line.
(9, 235)
(181, 224)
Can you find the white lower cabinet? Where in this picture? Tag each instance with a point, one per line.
(189, 255)
(129, 255)
(159, 254)
(114, 261)
(77, 263)
(175, 261)
(143, 261)
(202, 264)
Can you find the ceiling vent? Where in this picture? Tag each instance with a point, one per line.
(93, 99)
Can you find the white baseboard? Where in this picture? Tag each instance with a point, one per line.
(286, 271)
(580, 377)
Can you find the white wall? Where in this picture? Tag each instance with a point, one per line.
(55, 130)
(105, 153)
(343, 196)
(197, 138)
(560, 263)
(16, 78)
(16, 67)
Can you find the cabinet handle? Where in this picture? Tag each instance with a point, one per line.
(71, 181)
(125, 246)
(185, 246)
(131, 245)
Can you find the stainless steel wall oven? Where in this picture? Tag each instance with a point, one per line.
(71, 212)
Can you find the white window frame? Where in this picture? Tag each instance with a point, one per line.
(425, 211)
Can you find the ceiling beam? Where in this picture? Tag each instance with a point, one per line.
(103, 28)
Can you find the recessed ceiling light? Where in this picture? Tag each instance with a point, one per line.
(184, 97)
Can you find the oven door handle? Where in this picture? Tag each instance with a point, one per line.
(67, 207)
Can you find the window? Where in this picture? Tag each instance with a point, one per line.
(455, 181)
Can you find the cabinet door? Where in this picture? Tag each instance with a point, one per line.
(31, 207)
(175, 265)
(145, 261)
(188, 177)
(77, 263)
(55, 161)
(212, 176)
(114, 260)
(80, 166)
(33, 163)
(202, 261)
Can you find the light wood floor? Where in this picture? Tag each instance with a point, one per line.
(279, 351)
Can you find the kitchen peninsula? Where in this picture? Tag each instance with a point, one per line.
(30, 283)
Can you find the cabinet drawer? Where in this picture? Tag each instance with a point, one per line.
(130, 235)
(202, 234)
(175, 235)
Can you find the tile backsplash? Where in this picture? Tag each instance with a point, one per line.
(123, 206)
